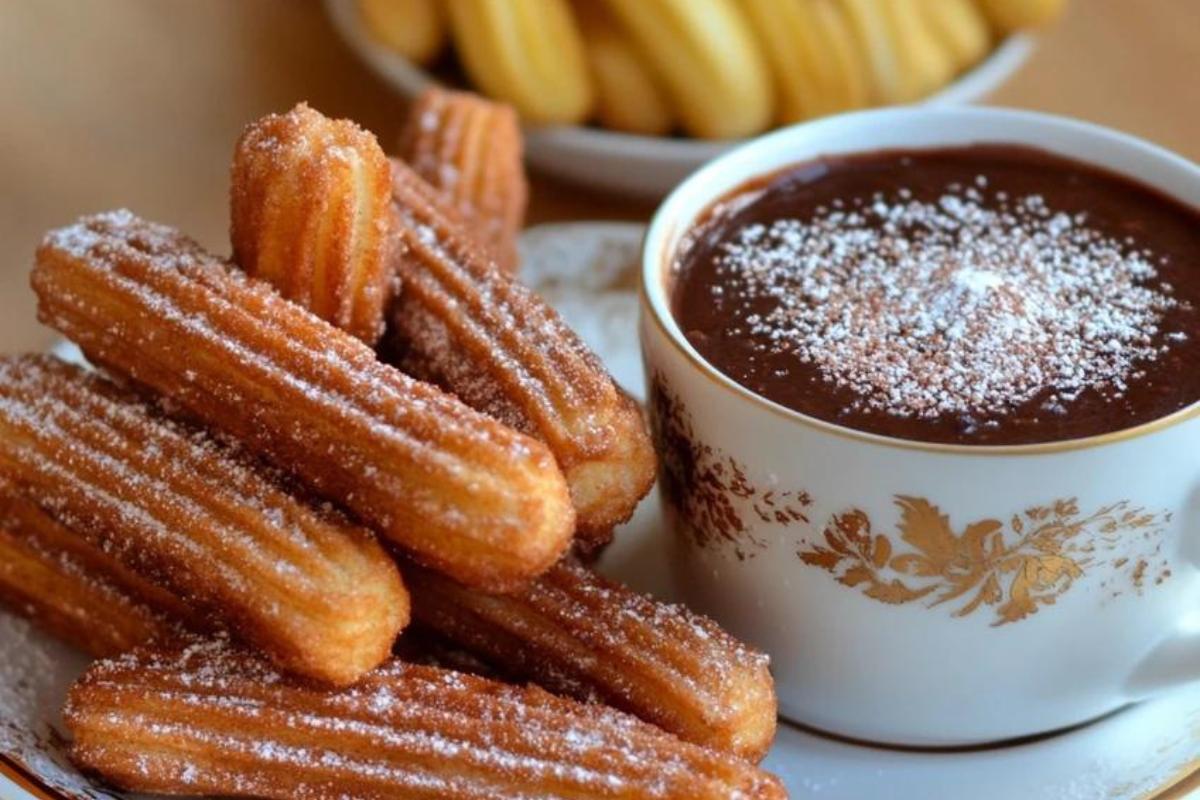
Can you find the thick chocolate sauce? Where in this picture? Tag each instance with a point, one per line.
(978, 295)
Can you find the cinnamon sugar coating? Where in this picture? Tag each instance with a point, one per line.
(463, 324)
(310, 214)
(457, 490)
(579, 634)
(470, 150)
(318, 595)
(75, 591)
(204, 720)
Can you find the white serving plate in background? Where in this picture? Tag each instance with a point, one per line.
(642, 165)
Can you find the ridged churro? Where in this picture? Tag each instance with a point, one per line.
(464, 325)
(309, 203)
(629, 96)
(320, 596)
(576, 633)
(470, 150)
(806, 43)
(457, 490)
(525, 52)
(923, 62)
(906, 58)
(204, 720)
(705, 55)
(74, 590)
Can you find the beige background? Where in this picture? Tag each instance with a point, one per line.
(137, 103)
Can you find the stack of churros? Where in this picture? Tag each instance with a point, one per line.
(74, 589)
(458, 490)
(711, 69)
(317, 594)
(234, 511)
(464, 325)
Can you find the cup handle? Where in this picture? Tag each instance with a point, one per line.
(1174, 662)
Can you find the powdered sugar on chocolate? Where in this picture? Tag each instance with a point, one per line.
(972, 304)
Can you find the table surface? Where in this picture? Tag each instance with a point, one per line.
(137, 103)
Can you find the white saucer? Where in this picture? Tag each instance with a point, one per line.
(1147, 751)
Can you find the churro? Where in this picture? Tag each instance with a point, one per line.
(924, 62)
(470, 150)
(464, 325)
(706, 57)
(576, 633)
(204, 720)
(320, 596)
(74, 590)
(629, 96)
(459, 491)
(310, 214)
(906, 58)
(525, 52)
(806, 43)
(961, 27)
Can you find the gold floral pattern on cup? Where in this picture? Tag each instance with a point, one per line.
(708, 488)
(1012, 567)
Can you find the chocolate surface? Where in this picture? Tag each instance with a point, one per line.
(975, 295)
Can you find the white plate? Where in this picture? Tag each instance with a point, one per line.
(1147, 751)
(644, 165)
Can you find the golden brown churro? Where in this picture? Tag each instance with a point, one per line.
(204, 720)
(74, 590)
(464, 325)
(318, 595)
(457, 490)
(310, 214)
(576, 633)
(469, 149)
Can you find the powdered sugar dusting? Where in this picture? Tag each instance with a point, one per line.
(403, 728)
(970, 304)
(299, 393)
(195, 517)
(463, 324)
(578, 634)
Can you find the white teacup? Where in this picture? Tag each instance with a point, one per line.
(787, 525)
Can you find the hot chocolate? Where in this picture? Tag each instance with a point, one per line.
(975, 295)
